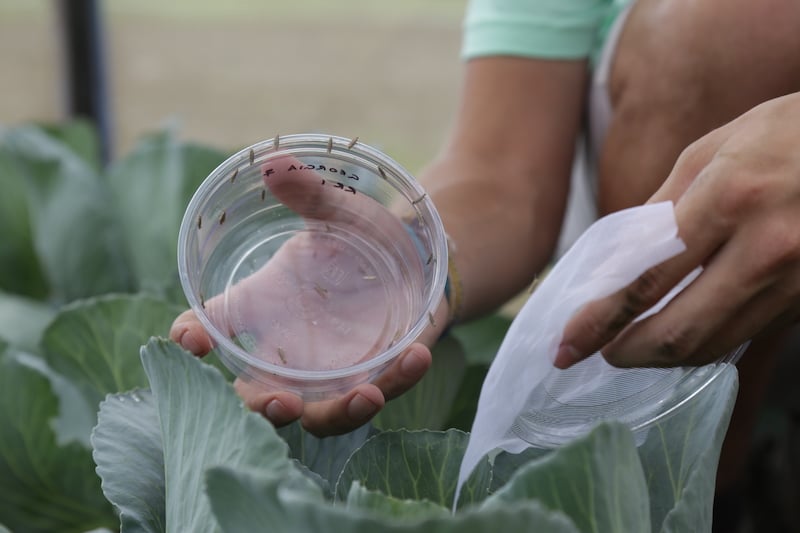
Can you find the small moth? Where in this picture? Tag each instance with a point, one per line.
(330, 144)
(382, 172)
(276, 142)
(533, 285)
(236, 172)
(282, 355)
(263, 194)
(431, 320)
(430, 259)
(352, 143)
(222, 218)
(322, 291)
(418, 200)
(202, 301)
(199, 221)
(252, 156)
(396, 338)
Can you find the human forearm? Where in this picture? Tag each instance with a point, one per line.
(501, 182)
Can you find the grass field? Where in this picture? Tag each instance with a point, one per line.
(232, 73)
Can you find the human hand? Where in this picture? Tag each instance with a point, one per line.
(299, 317)
(737, 204)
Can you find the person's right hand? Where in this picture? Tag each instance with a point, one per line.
(315, 302)
(737, 205)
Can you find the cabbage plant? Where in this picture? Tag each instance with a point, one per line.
(107, 426)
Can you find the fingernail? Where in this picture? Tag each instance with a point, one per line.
(412, 364)
(275, 411)
(188, 341)
(567, 356)
(360, 408)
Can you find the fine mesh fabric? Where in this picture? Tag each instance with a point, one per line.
(525, 400)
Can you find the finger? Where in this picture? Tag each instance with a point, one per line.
(340, 415)
(600, 321)
(759, 317)
(326, 196)
(278, 407)
(674, 335)
(689, 165)
(187, 331)
(300, 189)
(404, 373)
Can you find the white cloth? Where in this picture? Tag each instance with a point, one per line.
(611, 254)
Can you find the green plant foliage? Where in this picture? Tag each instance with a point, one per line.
(70, 231)
(326, 456)
(481, 338)
(681, 454)
(77, 238)
(186, 455)
(415, 465)
(597, 480)
(80, 137)
(246, 501)
(151, 188)
(22, 320)
(202, 423)
(380, 504)
(44, 487)
(428, 405)
(20, 270)
(128, 436)
(95, 342)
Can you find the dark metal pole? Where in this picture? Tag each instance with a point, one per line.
(84, 56)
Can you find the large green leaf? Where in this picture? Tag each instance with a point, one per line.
(597, 480)
(465, 404)
(505, 465)
(680, 457)
(429, 404)
(326, 456)
(203, 423)
(44, 487)
(130, 460)
(23, 320)
(80, 136)
(76, 416)
(20, 271)
(95, 342)
(415, 465)
(378, 502)
(245, 501)
(481, 339)
(152, 187)
(76, 236)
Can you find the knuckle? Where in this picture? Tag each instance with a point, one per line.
(739, 193)
(774, 254)
(644, 292)
(673, 346)
(781, 243)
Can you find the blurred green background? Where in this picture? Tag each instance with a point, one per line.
(235, 72)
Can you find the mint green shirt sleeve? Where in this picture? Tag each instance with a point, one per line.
(550, 29)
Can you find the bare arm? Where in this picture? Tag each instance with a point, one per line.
(502, 179)
(500, 185)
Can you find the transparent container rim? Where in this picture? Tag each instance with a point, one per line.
(327, 144)
(548, 440)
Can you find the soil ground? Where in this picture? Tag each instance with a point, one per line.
(236, 72)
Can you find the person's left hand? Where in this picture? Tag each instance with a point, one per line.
(303, 313)
(737, 204)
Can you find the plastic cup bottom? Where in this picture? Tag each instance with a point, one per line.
(338, 293)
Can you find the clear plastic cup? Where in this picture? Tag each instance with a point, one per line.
(312, 261)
